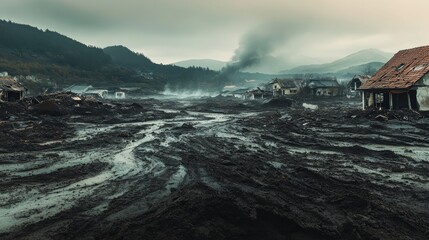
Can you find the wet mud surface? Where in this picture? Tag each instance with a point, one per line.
(213, 168)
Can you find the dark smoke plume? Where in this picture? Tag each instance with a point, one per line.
(254, 47)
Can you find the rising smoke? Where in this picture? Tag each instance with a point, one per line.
(254, 47)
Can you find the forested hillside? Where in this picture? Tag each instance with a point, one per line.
(60, 60)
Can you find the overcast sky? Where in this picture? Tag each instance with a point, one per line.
(171, 30)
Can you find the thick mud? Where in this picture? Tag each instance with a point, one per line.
(215, 168)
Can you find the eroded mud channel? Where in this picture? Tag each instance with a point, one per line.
(198, 170)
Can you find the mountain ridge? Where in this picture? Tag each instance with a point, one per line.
(355, 59)
(58, 61)
(212, 64)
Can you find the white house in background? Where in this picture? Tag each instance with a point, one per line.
(119, 95)
(284, 87)
(86, 90)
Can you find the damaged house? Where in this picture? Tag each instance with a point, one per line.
(258, 93)
(87, 90)
(323, 87)
(403, 82)
(354, 85)
(239, 93)
(96, 93)
(284, 87)
(11, 90)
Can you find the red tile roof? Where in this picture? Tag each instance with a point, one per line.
(402, 71)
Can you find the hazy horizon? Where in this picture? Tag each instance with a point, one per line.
(168, 31)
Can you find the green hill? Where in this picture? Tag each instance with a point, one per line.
(204, 63)
(28, 43)
(175, 77)
(59, 61)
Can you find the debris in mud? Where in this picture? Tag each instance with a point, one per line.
(381, 118)
(124, 134)
(310, 106)
(48, 107)
(186, 126)
(211, 169)
(384, 115)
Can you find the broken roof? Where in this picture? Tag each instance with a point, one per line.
(322, 83)
(240, 91)
(402, 71)
(10, 84)
(362, 78)
(286, 83)
(79, 89)
(359, 78)
(257, 89)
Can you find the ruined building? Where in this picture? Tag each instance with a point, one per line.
(10, 89)
(324, 87)
(284, 87)
(403, 82)
(354, 85)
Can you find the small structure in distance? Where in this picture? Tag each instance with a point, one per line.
(285, 87)
(354, 85)
(324, 87)
(10, 89)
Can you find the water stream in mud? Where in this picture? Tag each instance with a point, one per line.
(52, 198)
(148, 163)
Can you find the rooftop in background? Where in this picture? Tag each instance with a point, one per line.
(402, 71)
(286, 83)
(322, 83)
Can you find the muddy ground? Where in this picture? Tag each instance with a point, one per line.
(213, 168)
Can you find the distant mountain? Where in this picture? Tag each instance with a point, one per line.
(174, 76)
(204, 63)
(274, 65)
(268, 65)
(366, 69)
(353, 60)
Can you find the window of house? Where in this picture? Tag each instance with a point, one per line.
(400, 67)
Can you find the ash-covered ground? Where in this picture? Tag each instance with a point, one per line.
(213, 168)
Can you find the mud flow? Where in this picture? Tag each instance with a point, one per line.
(213, 168)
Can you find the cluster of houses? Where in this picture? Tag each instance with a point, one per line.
(12, 90)
(88, 90)
(315, 87)
(403, 82)
(287, 87)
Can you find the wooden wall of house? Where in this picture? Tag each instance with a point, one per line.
(423, 93)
